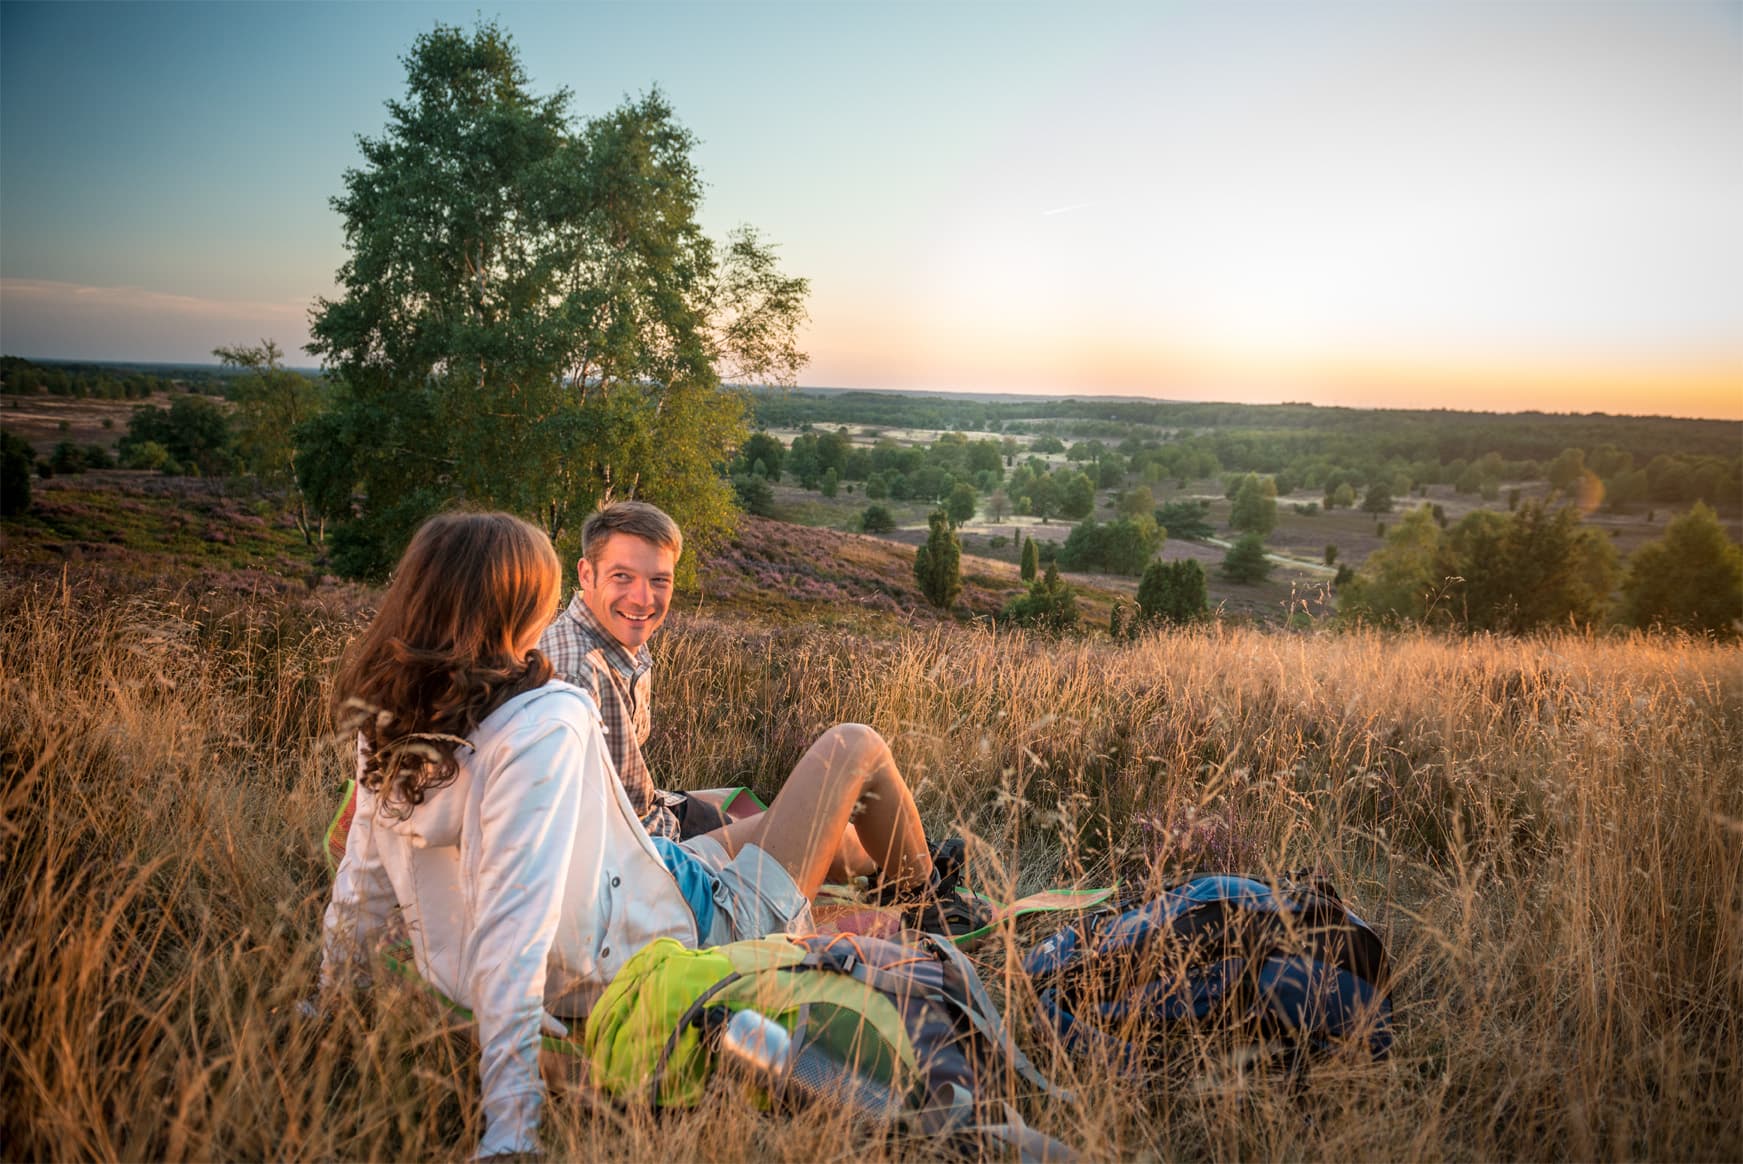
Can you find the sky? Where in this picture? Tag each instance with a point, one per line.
(1489, 205)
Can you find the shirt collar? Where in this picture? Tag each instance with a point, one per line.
(621, 660)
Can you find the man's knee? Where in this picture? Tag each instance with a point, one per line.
(855, 744)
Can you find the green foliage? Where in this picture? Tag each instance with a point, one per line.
(1402, 580)
(1119, 547)
(193, 430)
(1138, 502)
(1502, 572)
(148, 455)
(754, 494)
(1535, 568)
(1690, 579)
(1378, 499)
(938, 563)
(1186, 520)
(876, 519)
(1047, 444)
(530, 317)
(1049, 604)
(1031, 562)
(961, 504)
(271, 403)
(16, 458)
(1076, 496)
(1331, 554)
(760, 446)
(1172, 592)
(1245, 562)
(1255, 505)
(67, 459)
(1567, 469)
(831, 483)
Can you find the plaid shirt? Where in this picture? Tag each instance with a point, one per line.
(585, 654)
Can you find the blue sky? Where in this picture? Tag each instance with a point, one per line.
(1471, 205)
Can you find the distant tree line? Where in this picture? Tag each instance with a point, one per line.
(85, 381)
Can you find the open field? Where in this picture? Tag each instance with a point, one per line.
(1548, 833)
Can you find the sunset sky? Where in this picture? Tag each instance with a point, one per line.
(1473, 205)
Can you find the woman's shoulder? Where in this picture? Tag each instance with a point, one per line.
(555, 700)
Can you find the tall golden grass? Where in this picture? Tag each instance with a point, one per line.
(1548, 833)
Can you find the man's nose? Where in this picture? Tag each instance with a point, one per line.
(641, 593)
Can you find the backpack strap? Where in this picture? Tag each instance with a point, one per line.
(685, 1020)
(983, 1016)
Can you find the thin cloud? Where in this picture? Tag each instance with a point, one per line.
(1069, 209)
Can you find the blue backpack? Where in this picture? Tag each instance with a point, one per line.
(1288, 965)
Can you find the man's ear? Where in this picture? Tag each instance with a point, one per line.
(584, 573)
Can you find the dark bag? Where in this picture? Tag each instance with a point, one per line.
(1288, 965)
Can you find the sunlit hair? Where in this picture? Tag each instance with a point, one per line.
(636, 518)
(441, 654)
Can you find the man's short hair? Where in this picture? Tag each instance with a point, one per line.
(637, 518)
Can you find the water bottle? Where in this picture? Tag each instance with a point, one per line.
(759, 1046)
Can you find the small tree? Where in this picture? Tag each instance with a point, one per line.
(1031, 560)
(1378, 498)
(1172, 592)
(960, 505)
(831, 483)
(1246, 562)
(16, 457)
(754, 494)
(1255, 505)
(998, 506)
(1050, 604)
(760, 446)
(938, 563)
(876, 519)
(1689, 579)
(1331, 554)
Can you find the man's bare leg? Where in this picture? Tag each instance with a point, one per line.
(851, 860)
(846, 779)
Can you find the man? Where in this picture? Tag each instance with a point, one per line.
(629, 559)
(629, 554)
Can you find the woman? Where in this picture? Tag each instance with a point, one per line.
(489, 815)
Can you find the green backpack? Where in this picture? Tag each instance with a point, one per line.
(891, 1029)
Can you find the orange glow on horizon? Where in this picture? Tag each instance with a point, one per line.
(880, 351)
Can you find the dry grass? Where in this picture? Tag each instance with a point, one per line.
(1548, 833)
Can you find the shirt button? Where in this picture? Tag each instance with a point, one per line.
(605, 951)
(616, 881)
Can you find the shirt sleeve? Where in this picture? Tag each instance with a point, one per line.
(362, 900)
(538, 815)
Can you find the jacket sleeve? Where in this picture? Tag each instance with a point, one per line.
(362, 900)
(536, 816)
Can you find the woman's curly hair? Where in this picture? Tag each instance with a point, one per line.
(446, 649)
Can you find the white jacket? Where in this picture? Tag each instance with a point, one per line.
(515, 884)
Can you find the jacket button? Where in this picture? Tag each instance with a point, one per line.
(616, 881)
(605, 951)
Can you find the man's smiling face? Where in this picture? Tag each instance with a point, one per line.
(630, 587)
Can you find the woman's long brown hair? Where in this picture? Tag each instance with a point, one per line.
(443, 651)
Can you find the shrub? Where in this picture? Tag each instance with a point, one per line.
(1050, 604)
(16, 456)
(1172, 592)
(876, 519)
(938, 563)
(1246, 562)
(1689, 579)
(1189, 520)
(755, 495)
(1031, 560)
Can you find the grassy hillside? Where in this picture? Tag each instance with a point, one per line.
(1548, 833)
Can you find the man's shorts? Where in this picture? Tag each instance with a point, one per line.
(754, 895)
